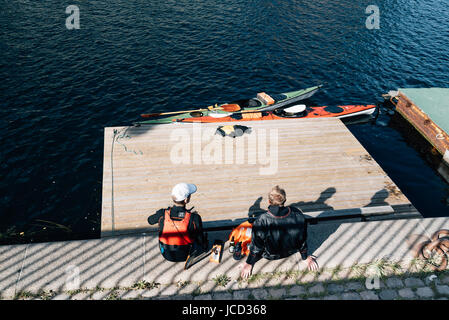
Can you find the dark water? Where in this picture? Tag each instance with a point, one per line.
(59, 88)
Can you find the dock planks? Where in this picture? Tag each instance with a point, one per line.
(319, 163)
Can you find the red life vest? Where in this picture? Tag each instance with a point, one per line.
(175, 232)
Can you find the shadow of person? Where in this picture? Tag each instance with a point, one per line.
(317, 205)
(255, 210)
(319, 232)
(323, 230)
(378, 199)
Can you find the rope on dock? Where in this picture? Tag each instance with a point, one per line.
(122, 135)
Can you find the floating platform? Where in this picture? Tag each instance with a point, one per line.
(427, 110)
(323, 168)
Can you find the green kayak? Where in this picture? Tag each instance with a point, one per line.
(262, 102)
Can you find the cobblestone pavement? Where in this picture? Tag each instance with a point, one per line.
(388, 282)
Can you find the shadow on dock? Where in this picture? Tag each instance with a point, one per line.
(378, 199)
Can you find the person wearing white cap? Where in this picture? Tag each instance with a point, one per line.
(182, 191)
(180, 230)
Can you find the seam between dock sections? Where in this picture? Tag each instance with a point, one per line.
(21, 269)
(144, 254)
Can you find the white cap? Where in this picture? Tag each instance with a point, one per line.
(182, 191)
(296, 109)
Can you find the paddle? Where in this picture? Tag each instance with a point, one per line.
(224, 107)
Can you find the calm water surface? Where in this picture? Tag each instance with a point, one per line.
(59, 88)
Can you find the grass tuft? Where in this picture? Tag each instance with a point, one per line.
(222, 280)
(143, 284)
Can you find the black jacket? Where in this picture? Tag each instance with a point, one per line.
(277, 234)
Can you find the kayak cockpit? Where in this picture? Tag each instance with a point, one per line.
(297, 111)
(196, 114)
(248, 103)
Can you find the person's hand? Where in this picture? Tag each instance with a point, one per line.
(246, 271)
(312, 265)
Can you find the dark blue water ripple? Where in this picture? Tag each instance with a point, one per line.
(59, 88)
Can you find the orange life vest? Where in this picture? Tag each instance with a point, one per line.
(242, 233)
(175, 232)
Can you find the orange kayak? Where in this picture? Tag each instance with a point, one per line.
(309, 112)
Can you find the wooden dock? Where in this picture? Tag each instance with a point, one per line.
(321, 165)
(427, 109)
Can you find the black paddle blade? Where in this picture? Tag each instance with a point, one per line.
(197, 252)
(193, 259)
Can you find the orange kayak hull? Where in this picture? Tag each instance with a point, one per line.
(311, 112)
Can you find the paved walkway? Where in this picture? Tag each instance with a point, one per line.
(347, 284)
(131, 267)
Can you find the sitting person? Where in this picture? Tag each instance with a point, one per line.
(180, 231)
(278, 233)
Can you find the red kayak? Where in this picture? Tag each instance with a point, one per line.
(299, 111)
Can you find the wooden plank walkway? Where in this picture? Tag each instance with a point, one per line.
(319, 163)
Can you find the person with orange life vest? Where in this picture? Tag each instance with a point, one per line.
(180, 230)
(278, 233)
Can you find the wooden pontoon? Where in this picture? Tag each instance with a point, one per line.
(321, 165)
(427, 110)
